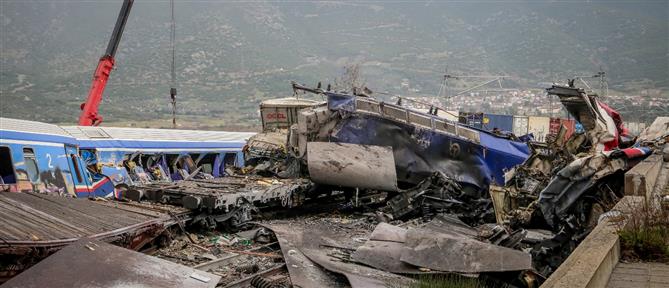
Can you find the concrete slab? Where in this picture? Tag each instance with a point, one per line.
(641, 275)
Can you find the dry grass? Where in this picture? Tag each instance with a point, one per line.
(646, 236)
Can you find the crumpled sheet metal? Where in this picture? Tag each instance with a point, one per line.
(455, 253)
(387, 232)
(418, 152)
(91, 263)
(570, 183)
(352, 165)
(357, 275)
(438, 250)
(384, 249)
(297, 243)
(445, 223)
(303, 272)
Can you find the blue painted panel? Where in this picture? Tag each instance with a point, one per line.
(53, 173)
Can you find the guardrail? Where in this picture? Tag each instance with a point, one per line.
(415, 118)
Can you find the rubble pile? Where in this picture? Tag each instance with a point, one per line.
(355, 192)
(470, 208)
(227, 202)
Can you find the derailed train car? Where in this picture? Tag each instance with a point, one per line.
(41, 157)
(421, 143)
(100, 162)
(140, 155)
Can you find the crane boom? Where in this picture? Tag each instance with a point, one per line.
(89, 115)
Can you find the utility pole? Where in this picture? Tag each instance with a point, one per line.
(173, 88)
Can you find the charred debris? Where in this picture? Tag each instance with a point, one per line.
(355, 192)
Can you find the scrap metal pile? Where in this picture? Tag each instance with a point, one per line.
(447, 198)
(360, 193)
(227, 202)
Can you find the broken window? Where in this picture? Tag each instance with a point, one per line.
(6, 167)
(206, 162)
(31, 164)
(230, 159)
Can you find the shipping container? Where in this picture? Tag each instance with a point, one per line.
(499, 121)
(471, 119)
(281, 113)
(520, 125)
(554, 126)
(539, 126)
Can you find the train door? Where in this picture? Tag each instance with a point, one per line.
(80, 177)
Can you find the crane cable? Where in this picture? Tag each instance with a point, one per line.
(173, 89)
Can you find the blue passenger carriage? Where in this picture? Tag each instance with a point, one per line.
(132, 155)
(43, 157)
(100, 161)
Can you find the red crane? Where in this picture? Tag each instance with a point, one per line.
(89, 109)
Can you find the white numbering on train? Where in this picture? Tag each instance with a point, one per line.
(48, 156)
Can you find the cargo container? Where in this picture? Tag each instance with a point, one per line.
(499, 121)
(471, 119)
(520, 125)
(281, 113)
(554, 126)
(539, 126)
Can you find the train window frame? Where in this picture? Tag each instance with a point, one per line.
(34, 160)
(76, 167)
(226, 159)
(11, 165)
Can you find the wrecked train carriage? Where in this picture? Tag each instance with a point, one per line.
(228, 202)
(566, 186)
(139, 156)
(421, 143)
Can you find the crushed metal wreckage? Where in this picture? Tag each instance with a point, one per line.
(514, 210)
(355, 192)
(226, 202)
(565, 185)
(34, 226)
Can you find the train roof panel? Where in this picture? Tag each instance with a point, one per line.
(24, 130)
(150, 134)
(18, 125)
